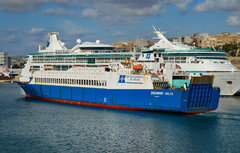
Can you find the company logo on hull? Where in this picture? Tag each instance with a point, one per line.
(148, 56)
(122, 79)
(130, 79)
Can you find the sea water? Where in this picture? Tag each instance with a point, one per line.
(30, 125)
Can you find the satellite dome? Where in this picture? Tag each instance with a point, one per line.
(79, 41)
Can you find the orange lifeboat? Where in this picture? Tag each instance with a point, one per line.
(77, 66)
(103, 65)
(127, 61)
(154, 74)
(178, 67)
(138, 67)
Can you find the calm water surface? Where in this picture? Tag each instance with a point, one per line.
(29, 125)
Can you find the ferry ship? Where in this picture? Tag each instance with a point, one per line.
(120, 85)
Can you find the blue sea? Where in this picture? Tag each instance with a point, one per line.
(30, 125)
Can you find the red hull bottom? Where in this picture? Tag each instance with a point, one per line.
(103, 105)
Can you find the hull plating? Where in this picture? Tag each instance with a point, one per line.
(129, 99)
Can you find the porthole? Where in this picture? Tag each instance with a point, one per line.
(229, 83)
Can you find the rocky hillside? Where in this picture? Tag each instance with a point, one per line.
(235, 61)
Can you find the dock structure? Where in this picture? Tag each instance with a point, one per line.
(10, 80)
(7, 81)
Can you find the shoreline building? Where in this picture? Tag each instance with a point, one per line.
(139, 43)
(4, 59)
(227, 38)
(187, 40)
(126, 45)
(204, 40)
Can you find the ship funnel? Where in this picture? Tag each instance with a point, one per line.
(54, 43)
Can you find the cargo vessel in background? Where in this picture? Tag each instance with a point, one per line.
(82, 77)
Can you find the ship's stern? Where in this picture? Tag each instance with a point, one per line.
(201, 95)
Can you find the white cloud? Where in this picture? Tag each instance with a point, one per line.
(233, 20)
(119, 20)
(30, 5)
(232, 6)
(86, 13)
(37, 31)
(118, 34)
(220, 5)
(205, 6)
(181, 4)
(126, 7)
(91, 13)
(108, 12)
(138, 7)
(72, 29)
(145, 11)
(12, 40)
(11, 30)
(58, 11)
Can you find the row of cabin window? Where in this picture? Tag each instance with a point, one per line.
(70, 60)
(72, 81)
(175, 59)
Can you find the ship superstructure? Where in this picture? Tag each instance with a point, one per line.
(61, 58)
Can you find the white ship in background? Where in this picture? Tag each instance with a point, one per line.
(56, 57)
(195, 61)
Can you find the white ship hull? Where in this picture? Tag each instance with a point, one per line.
(228, 82)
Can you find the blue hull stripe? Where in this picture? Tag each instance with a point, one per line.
(168, 100)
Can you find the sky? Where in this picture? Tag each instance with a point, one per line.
(24, 24)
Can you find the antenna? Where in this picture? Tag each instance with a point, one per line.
(154, 28)
(134, 53)
(213, 47)
(158, 31)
